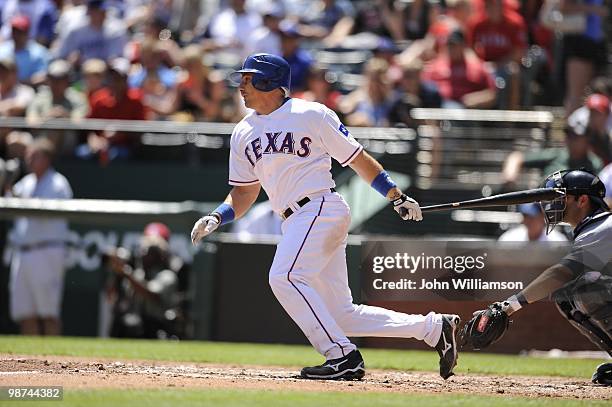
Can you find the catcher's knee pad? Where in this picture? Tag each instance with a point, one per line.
(588, 307)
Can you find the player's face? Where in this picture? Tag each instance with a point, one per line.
(574, 208)
(252, 96)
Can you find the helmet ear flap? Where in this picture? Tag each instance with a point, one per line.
(262, 84)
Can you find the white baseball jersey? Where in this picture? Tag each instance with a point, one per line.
(289, 151)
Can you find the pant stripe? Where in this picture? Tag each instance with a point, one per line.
(298, 290)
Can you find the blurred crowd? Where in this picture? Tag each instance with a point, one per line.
(371, 61)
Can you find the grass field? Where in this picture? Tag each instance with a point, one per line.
(286, 355)
(293, 356)
(252, 398)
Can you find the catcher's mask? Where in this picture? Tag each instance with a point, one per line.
(572, 182)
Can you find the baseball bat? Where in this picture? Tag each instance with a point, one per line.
(510, 198)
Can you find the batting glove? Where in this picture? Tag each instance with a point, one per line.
(203, 227)
(407, 208)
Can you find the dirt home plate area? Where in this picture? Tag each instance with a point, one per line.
(96, 373)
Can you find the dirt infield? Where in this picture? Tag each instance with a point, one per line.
(86, 373)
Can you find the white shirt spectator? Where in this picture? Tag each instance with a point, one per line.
(21, 95)
(28, 231)
(234, 30)
(264, 40)
(91, 43)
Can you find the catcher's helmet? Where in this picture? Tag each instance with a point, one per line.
(269, 72)
(574, 182)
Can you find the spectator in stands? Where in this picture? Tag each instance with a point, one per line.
(37, 266)
(329, 21)
(267, 38)
(461, 76)
(96, 37)
(157, 82)
(412, 92)
(575, 154)
(58, 100)
(41, 13)
(155, 30)
(454, 17)
(17, 143)
(595, 120)
(94, 71)
(298, 58)
(584, 52)
(115, 102)
(369, 105)
(379, 17)
(415, 19)
(319, 88)
(14, 96)
(201, 91)
(231, 28)
(31, 57)
(144, 289)
(500, 37)
(532, 228)
(184, 16)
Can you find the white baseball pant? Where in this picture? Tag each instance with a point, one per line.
(309, 278)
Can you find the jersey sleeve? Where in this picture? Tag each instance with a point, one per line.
(241, 170)
(337, 140)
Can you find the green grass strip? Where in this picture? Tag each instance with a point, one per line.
(287, 355)
(269, 398)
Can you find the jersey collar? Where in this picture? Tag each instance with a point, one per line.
(280, 108)
(597, 216)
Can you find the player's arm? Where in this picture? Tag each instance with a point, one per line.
(241, 198)
(545, 284)
(235, 205)
(374, 174)
(480, 333)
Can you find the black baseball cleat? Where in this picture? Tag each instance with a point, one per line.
(603, 374)
(447, 345)
(349, 367)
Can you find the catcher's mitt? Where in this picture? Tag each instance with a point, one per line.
(486, 327)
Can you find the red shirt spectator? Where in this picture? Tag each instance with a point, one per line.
(455, 80)
(114, 102)
(460, 75)
(498, 41)
(104, 105)
(510, 5)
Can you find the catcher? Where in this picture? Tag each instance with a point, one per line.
(580, 284)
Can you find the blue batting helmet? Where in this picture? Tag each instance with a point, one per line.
(269, 72)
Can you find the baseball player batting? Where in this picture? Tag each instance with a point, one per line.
(580, 284)
(285, 145)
